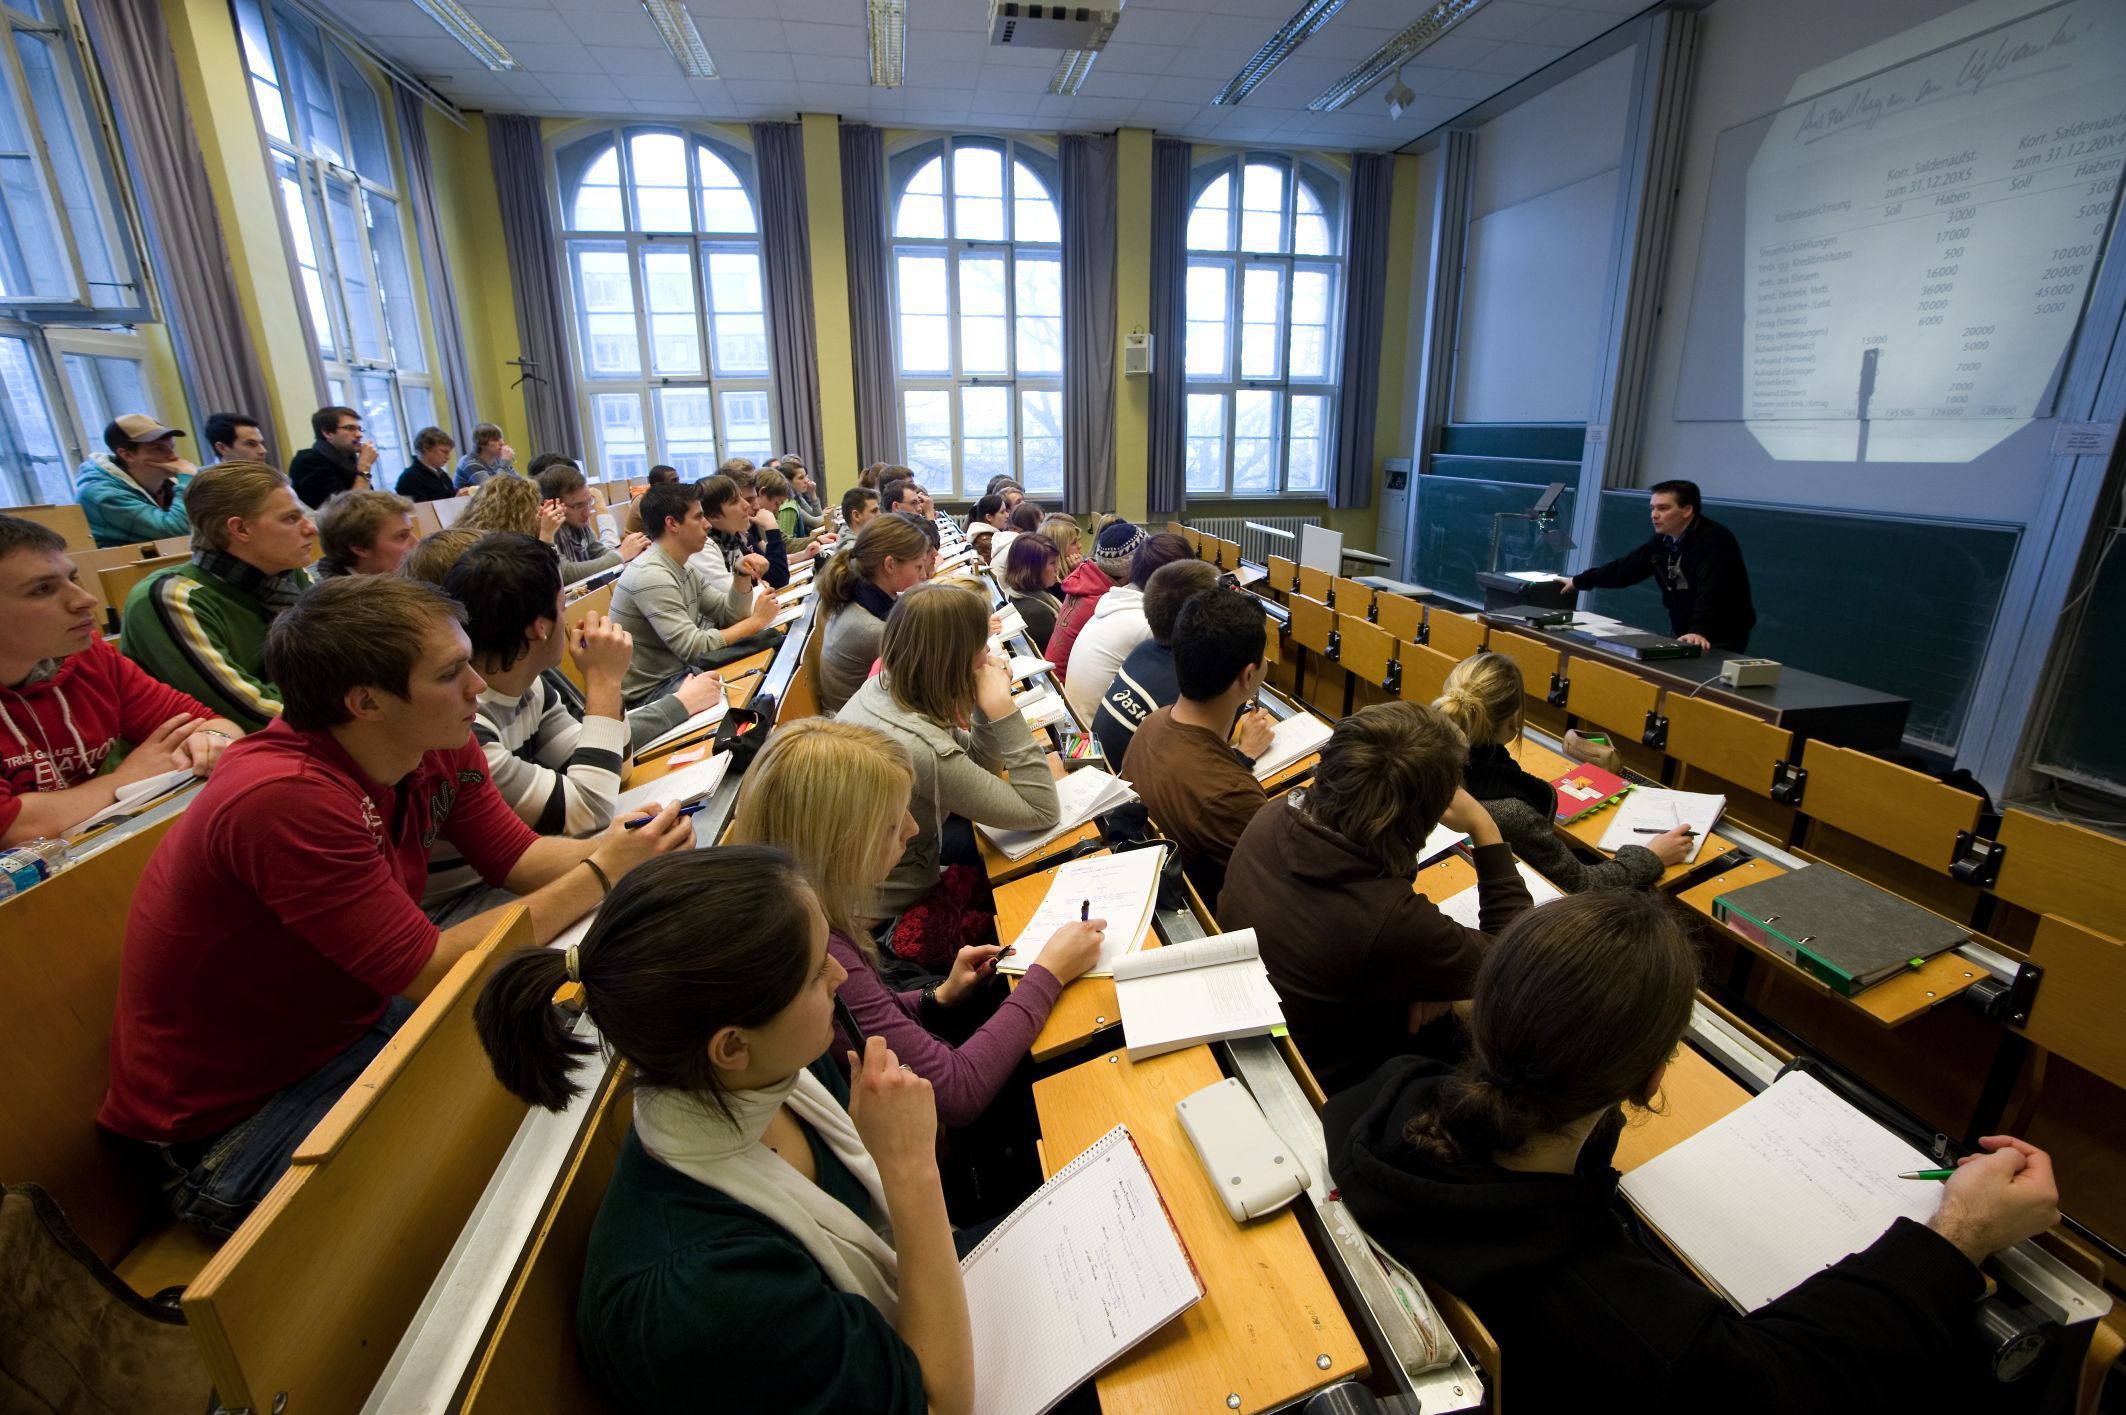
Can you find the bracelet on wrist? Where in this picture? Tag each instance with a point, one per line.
(605, 882)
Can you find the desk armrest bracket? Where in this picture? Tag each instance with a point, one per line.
(1977, 860)
(1560, 687)
(1655, 734)
(1788, 783)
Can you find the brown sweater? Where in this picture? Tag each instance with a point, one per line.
(1350, 946)
(1198, 794)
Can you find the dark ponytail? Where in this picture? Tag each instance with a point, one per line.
(686, 945)
(1577, 1004)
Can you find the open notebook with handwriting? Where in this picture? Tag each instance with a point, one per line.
(1085, 1269)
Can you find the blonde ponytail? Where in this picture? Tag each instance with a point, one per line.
(1482, 696)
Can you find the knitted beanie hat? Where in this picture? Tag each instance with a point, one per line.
(1117, 544)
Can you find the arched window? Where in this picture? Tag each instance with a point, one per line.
(335, 170)
(978, 306)
(662, 242)
(1263, 305)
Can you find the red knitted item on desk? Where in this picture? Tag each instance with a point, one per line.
(933, 932)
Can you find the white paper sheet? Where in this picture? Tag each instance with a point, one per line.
(1292, 739)
(1462, 907)
(1647, 811)
(1121, 889)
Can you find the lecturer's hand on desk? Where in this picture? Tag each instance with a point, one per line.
(1700, 640)
(1565, 584)
(1998, 1198)
(1467, 814)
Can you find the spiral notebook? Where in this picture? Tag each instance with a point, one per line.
(1085, 1269)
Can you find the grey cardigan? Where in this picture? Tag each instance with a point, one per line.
(1534, 838)
(676, 620)
(847, 653)
(955, 774)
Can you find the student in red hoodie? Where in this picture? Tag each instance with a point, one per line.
(68, 700)
(1105, 568)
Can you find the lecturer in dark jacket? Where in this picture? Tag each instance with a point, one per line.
(1698, 564)
(338, 461)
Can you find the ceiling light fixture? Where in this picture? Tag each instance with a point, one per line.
(1390, 57)
(1311, 17)
(1072, 71)
(466, 31)
(889, 34)
(677, 26)
(1399, 98)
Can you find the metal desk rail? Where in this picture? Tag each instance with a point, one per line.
(1387, 1331)
(428, 1369)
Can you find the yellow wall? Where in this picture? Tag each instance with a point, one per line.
(1133, 311)
(832, 297)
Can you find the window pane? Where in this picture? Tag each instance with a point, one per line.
(1310, 323)
(380, 423)
(1308, 468)
(662, 202)
(926, 332)
(316, 118)
(605, 301)
(1311, 236)
(258, 52)
(1210, 219)
(686, 431)
(984, 333)
(32, 258)
(365, 121)
(724, 203)
(921, 208)
(1206, 442)
(33, 434)
(90, 405)
(617, 420)
(1040, 314)
(985, 435)
(1040, 442)
(1207, 331)
(926, 427)
(387, 242)
(1261, 309)
(365, 325)
(977, 192)
(1262, 208)
(103, 387)
(295, 206)
(590, 184)
(1254, 441)
(675, 329)
(746, 430)
(738, 322)
(1033, 210)
(82, 196)
(420, 403)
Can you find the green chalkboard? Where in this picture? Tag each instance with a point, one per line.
(1454, 532)
(2082, 738)
(1901, 606)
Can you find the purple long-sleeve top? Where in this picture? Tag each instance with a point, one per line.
(964, 1078)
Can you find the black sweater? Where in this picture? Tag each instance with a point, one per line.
(420, 482)
(1581, 1297)
(1704, 584)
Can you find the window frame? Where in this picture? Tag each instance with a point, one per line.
(1235, 260)
(635, 240)
(903, 164)
(399, 397)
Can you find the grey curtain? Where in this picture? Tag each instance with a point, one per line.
(1089, 217)
(878, 409)
(442, 288)
(1365, 288)
(786, 250)
(1167, 479)
(519, 161)
(221, 368)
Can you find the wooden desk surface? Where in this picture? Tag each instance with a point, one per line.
(1002, 869)
(1269, 1328)
(1694, 1094)
(659, 763)
(1891, 1002)
(1538, 760)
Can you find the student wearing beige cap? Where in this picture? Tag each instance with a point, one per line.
(136, 491)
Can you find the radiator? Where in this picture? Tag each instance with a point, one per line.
(1254, 545)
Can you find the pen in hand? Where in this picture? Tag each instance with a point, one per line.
(640, 821)
(1085, 911)
(1929, 1174)
(1660, 829)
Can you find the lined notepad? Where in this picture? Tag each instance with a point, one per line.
(682, 787)
(1079, 797)
(1780, 1189)
(694, 726)
(1292, 739)
(1086, 1268)
(1464, 909)
(1122, 889)
(1647, 811)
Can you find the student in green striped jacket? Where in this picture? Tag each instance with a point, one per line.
(202, 627)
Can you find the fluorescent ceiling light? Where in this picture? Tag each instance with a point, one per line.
(1311, 17)
(677, 27)
(466, 31)
(1072, 71)
(1395, 53)
(889, 34)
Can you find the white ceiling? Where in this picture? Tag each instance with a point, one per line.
(602, 58)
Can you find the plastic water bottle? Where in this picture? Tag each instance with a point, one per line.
(30, 863)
